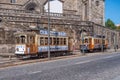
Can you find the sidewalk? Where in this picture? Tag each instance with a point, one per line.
(6, 55)
(77, 52)
(113, 50)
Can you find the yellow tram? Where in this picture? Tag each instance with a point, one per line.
(34, 44)
(91, 43)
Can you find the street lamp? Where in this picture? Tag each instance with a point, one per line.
(48, 29)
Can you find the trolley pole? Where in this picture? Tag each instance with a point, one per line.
(48, 29)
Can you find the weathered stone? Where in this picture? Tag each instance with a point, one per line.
(77, 15)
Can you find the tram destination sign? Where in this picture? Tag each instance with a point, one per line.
(52, 33)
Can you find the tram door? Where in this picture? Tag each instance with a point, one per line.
(31, 47)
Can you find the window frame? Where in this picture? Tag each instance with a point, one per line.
(12, 1)
(97, 3)
(42, 41)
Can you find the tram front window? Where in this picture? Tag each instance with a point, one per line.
(20, 40)
(86, 41)
(17, 40)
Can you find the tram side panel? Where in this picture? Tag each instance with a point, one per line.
(43, 47)
(93, 43)
(35, 44)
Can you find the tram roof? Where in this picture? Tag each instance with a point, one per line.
(25, 33)
(94, 37)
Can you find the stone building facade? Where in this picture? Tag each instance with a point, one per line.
(89, 10)
(71, 16)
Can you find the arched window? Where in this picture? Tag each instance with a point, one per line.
(13, 1)
(97, 3)
(31, 6)
(56, 6)
(86, 11)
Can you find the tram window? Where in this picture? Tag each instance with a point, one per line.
(32, 39)
(46, 40)
(98, 40)
(41, 41)
(86, 40)
(22, 39)
(61, 41)
(90, 40)
(57, 41)
(64, 41)
(28, 40)
(50, 41)
(95, 41)
(17, 40)
(54, 41)
(103, 41)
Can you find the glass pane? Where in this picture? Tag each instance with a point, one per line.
(61, 41)
(41, 41)
(22, 38)
(90, 40)
(86, 40)
(17, 40)
(50, 41)
(64, 41)
(32, 39)
(57, 41)
(54, 41)
(46, 40)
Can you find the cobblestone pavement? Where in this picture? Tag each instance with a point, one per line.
(98, 67)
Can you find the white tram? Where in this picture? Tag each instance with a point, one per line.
(34, 44)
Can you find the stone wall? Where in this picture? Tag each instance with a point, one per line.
(95, 13)
(113, 36)
(7, 48)
(6, 37)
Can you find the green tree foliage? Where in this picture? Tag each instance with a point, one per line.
(118, 27)
(109, 23)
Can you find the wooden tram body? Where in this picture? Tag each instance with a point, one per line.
(33, 44)
(90, 44)
(36, 44)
